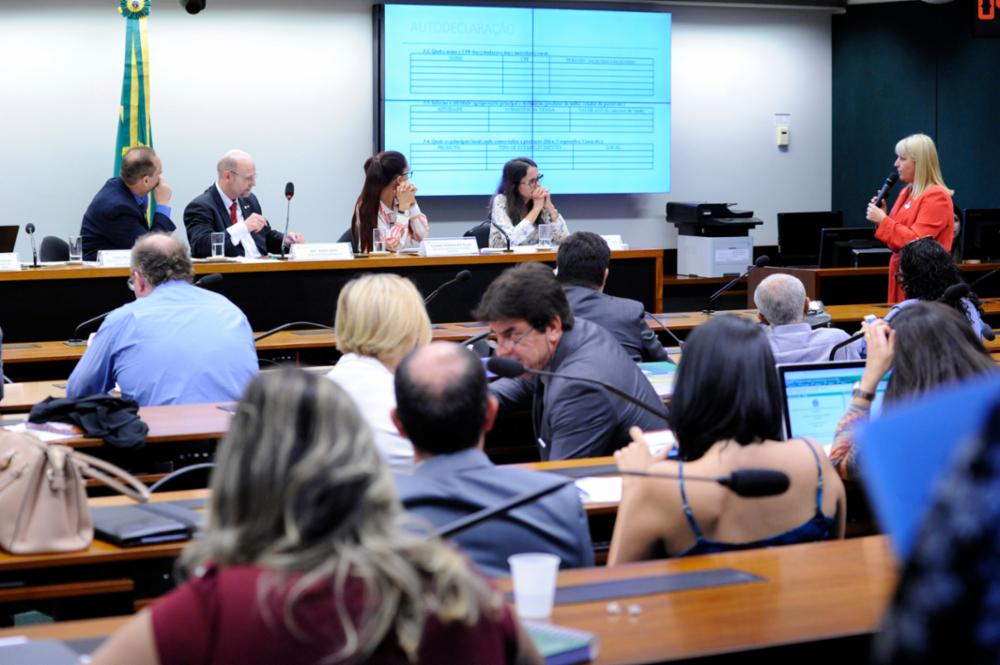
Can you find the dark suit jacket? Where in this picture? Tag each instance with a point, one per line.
(577, 419)
(445, 488)
(114, 220)
(206, 215)
(622, 317)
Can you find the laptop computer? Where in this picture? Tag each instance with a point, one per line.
(8, 237)
(815, 397)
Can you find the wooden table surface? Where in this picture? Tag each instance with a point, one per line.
(809, 593)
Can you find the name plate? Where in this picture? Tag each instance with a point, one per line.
(614, 241)
(9, 261)
(448, 247)
(321, 251)
(114, 258)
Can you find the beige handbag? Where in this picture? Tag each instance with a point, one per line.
(43, 501)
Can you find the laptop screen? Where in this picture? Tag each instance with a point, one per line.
(816, 396)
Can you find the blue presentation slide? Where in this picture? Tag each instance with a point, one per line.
(586, 94)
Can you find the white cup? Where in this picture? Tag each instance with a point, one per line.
(544, 236)
(218, 244)
(378, 240)
(534, 577)
(75, 249)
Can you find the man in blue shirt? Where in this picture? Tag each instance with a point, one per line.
(117, 216)
(445, 409)
(176, 344)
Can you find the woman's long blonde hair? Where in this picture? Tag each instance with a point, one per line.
(381, 315)
(299, 487)
(920, 148)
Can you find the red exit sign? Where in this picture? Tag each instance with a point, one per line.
(986, 22)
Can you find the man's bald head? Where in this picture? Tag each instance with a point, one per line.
(441, 398)
(160, 258)
(237, 173)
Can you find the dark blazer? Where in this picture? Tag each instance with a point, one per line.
(578, 419)
(622, 317)
(445, 488)
(206, 215)
(114, 220)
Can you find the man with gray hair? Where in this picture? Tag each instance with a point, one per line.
(176, 344)
(229, 206)
(782, 303)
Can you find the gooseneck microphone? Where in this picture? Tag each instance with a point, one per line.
(29, 228)
(460, 276)
(887, 184)
(285, 326)
(761, 261)
(511, 369)
(289, 193)
(666, 330)
(749, 483)
(502, 232)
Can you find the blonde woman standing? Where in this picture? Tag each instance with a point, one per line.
(924, 207)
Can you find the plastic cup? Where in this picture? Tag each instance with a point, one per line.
(544, 236)
(534, 577)
(218, 245)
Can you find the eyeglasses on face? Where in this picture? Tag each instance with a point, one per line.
(250, 178)
(508, 339)
(533, 181)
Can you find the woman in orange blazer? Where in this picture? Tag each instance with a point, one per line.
(924, 207)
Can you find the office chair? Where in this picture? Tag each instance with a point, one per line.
(54, 248)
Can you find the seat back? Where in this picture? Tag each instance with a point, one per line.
(53, 248)
(481, 232)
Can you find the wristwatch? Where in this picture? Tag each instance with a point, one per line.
(862, 394)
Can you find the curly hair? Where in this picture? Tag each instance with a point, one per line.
(926, 270)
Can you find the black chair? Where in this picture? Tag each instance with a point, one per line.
(53, 248)
(481, 232)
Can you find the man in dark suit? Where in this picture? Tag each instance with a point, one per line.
(582, 269)
(444, 408)
(228, 206)
(117, 216)
(528, 312)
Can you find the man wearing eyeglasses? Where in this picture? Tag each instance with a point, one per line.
(229, 206)
(528, 312)
(117, 215)
(176, 344)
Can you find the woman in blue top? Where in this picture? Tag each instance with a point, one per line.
(726, 415)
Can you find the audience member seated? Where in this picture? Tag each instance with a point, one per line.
(444, 407)
(116, 217)
(726, 415)
(926, 270)
(936, 345)
(528, 312)
(782, 303)
(305, 559)
(582, 269)
(521, 204)
(380, 318)
(176, 344)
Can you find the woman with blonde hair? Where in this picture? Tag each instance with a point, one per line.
(380, 318)
(924, 207)
(305, 558)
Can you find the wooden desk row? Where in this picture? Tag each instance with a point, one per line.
(825, 596)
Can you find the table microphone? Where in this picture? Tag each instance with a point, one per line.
(284, 326)
(502, 232)
(666, 330)
(749, 483)
(511, 369)
(29, 228)
(289, 193)
(460, 276)
(761, 261)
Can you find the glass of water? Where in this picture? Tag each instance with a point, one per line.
(544, 236)
(218, 244)
(378, 240)
(75, 249)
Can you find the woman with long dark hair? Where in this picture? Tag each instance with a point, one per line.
(521, 204)
(726, 415)
(388, 202)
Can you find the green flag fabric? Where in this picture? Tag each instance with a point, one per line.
(134, 127)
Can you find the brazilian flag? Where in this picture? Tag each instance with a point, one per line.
(133, 113)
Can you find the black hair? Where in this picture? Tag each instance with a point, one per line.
(442, 417)
(529, 291)
(583, 257)
(726, 387)
(926, 270)
(513, 172)
(934, 344)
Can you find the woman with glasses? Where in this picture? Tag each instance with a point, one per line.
(388, 203)
(521, 204)
(307, 557)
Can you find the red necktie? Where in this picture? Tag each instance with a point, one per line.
(232, 213)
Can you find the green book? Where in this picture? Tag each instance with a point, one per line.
(562, 646)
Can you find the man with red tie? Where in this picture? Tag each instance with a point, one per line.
(229, 206)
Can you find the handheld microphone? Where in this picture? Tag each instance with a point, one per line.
(890, 181)
(666, 330)
(502, 232)
(284, 326)
(460, 276)
(511, 369)
(29, 228)
(289, 193)
(761, 261)
(750, 483)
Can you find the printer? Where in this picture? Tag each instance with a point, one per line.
(712, 239)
